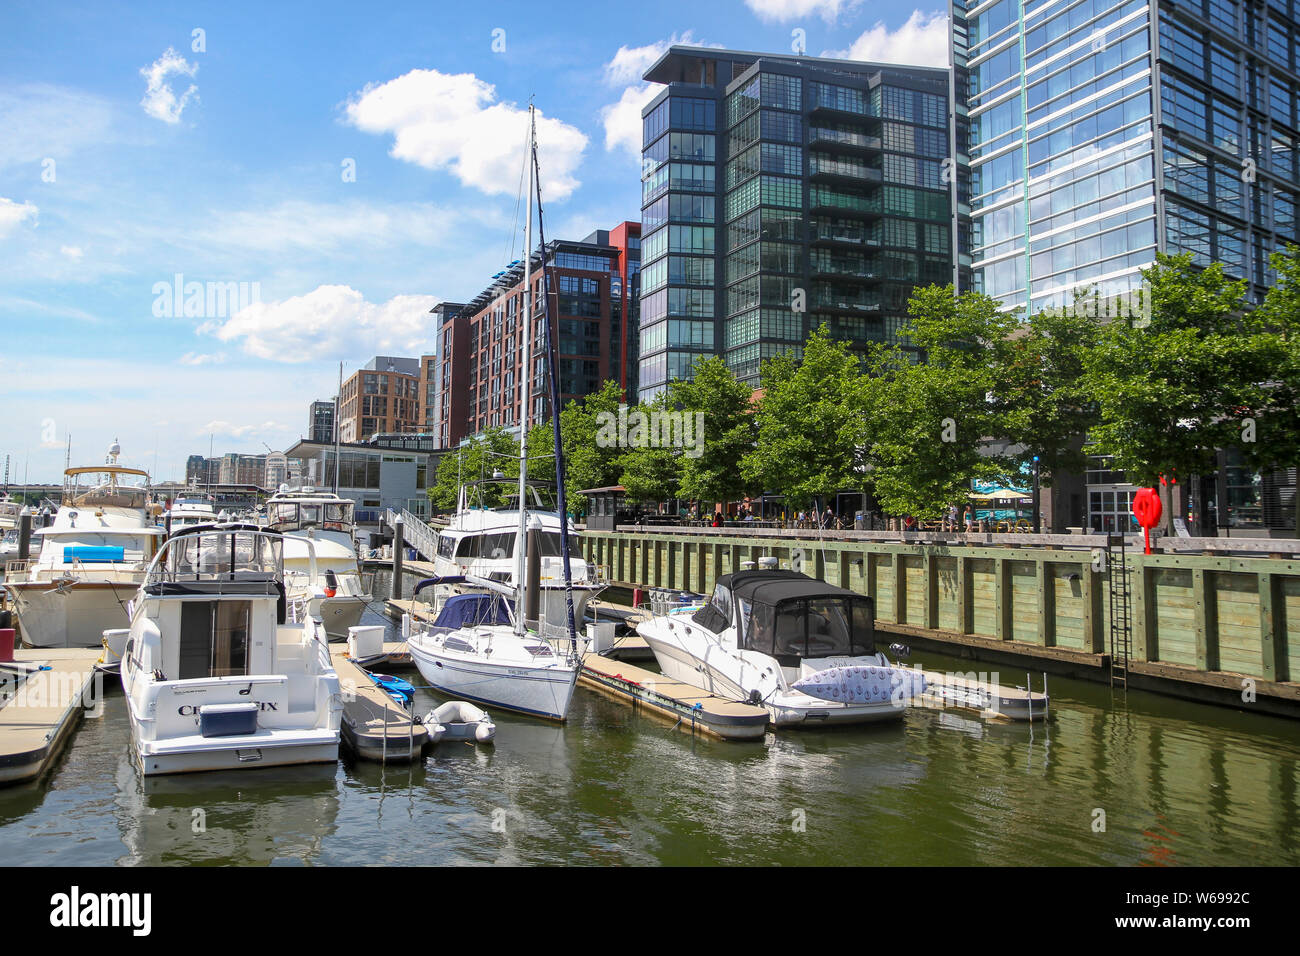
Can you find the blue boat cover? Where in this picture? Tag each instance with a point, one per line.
(93, 553)
(470, 610)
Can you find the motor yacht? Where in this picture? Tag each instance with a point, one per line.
(331, 580)
(479, 540)
(189, 510)
(221, 668)
(90, 560)
(800, 647)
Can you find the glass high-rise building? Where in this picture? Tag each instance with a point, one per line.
(781, 192)
(1099, 132)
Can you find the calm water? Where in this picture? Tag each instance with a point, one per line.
(1179, 783)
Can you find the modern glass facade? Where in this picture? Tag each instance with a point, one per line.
(1099, 132)
(782, 192)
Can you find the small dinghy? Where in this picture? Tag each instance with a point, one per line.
(401, 691)
(459, 720)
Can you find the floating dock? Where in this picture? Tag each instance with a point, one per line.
(988, 700)
(43, 694)
(374, 726)
(688, 708)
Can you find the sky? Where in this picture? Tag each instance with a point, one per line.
(205, 208)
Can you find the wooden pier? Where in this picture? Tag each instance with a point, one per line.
(374, 726)
(1212, 619)
(687, 708)
(44, 693)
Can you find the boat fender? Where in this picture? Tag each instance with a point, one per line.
(755, 697)
(331, 583)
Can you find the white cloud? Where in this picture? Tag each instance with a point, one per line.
(783, 11)
(921, 41)
(237, 431)
(72, 252)
(159, 100)
(454, 122)
(43, 122)
(13, 214)
(330, 321)
(200, 358)
(622, 119)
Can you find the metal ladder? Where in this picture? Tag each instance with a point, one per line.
(1121, 609)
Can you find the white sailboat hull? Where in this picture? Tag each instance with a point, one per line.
(536, 691)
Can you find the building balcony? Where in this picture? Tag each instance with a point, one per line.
(842, 112)
(844, 204)
(849, 173)
(853, 305)
(843, 142)
(833, 270)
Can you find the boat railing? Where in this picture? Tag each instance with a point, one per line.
(15, 567)
(298, 609)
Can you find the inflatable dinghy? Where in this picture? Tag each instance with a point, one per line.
(459, 720)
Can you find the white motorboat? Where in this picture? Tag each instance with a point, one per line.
(329, 576)
(90, 560)
(220, 670)
(800, 647)
(475, 649)
(186, 511)
(479, 540)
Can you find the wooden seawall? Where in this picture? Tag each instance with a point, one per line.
(1212, 626)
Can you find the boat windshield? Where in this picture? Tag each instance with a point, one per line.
(219, 554)
(293, 515)
(810, 628)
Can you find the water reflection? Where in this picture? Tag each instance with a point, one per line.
(1178, 783)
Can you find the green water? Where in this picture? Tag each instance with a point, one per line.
(1179, 783)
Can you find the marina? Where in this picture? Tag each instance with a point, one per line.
(947, 790)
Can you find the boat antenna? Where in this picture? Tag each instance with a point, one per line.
(521, 536)
(554, 382)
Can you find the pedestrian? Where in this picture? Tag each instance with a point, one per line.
(828, 518)
(717, 519)
(952, 518)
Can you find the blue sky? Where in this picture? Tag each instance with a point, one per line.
(350, 164)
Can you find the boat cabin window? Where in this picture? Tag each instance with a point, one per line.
(291, 515)
(812, 628)
(445, 546)
(497, 544)
(551, 545)
(220, 555)
(716, 615)
(214, 639)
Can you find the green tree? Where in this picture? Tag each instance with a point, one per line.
(729, 431)
(1173, 388)
(1045, 407)
(811, 423)
(1274, 439)
(650, 471)
(590, 462)
(494, 450)
(928, 421)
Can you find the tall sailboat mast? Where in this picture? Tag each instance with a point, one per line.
(553, 379)
(521, 539)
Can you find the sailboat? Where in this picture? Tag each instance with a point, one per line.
(476, 648)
